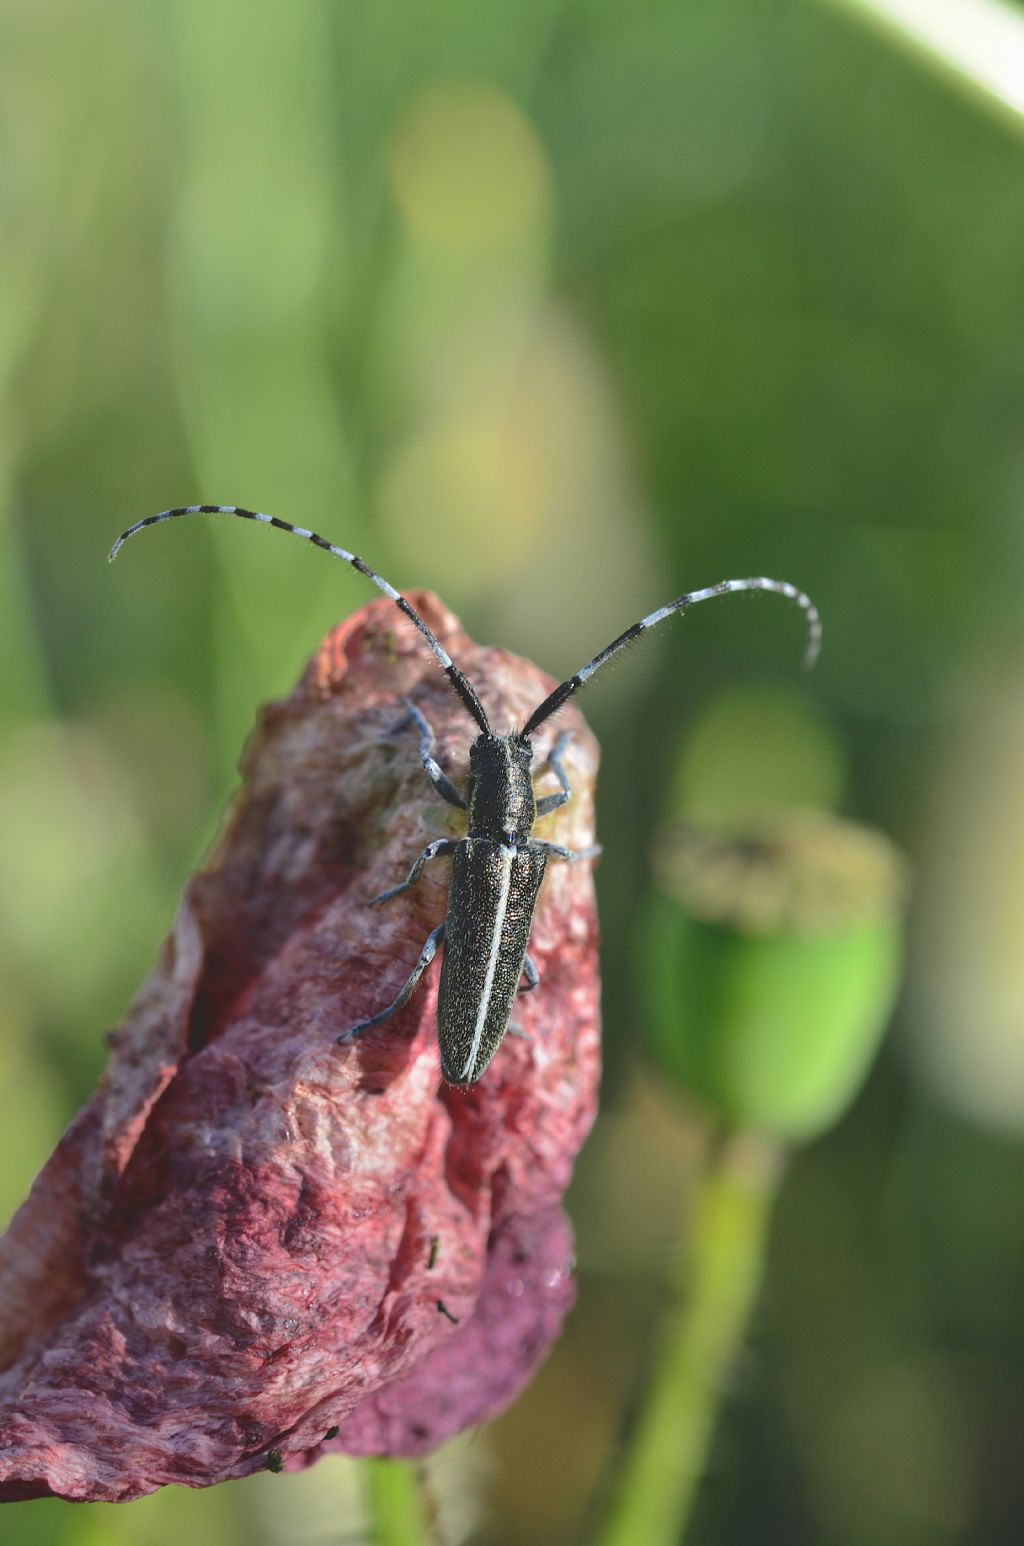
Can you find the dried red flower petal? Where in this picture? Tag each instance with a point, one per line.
(252, 1235)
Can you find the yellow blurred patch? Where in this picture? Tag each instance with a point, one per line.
(467, 168)
(473, 489)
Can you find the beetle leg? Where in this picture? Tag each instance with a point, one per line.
(556, 851)
(441, 845)
(551, 802)
(532, 976)
(444, 786)
(427, 954)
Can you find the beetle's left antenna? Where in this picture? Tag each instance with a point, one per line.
(553, 702)
(462, 686)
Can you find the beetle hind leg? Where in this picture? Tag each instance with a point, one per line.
(532, 976)
(427, 954)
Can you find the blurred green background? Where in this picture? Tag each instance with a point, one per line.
(560, 308)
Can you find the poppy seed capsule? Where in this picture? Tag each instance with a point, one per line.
(772, 960)
(231, 1254)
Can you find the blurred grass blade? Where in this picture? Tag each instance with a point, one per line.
(977, 44)
(699, 1341)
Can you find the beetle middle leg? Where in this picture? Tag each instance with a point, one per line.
(441, 845)
(556, 851)
(427, 954)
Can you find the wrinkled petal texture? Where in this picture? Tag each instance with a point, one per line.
(253, 1236)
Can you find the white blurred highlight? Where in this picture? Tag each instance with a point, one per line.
(981, 41)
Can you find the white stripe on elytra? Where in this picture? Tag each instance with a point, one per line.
(492, 960)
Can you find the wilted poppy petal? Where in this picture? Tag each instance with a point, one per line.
(527, 1289)
(253, 1235)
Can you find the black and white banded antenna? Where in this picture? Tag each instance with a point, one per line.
(564, 691)
(459, 683)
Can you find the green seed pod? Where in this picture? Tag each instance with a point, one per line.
(771, 962)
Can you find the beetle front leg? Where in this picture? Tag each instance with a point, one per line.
(427, 954)
(441, 845)
(551, 802)
(441, 782)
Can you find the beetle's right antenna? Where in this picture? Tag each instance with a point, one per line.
(462, 686)
(553, 702)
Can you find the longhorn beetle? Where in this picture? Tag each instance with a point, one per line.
(498, 867)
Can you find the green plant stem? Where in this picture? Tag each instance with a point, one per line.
(665, 1457)
(395, 1497)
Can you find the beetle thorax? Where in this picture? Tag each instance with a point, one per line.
(500, 799)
